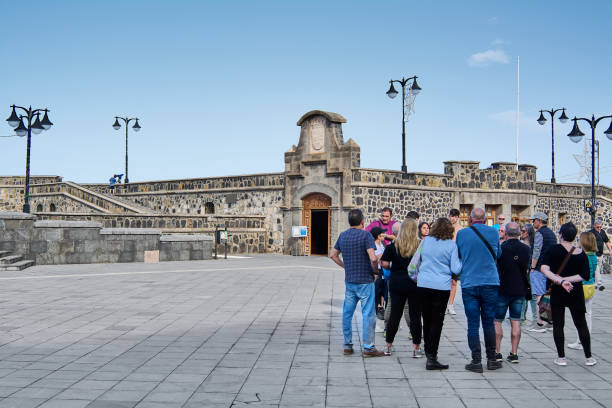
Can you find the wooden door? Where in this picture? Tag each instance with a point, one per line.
(315, 201)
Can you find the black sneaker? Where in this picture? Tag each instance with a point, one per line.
(494, 365)
(380, 313)
(499, 357)
(474, 366)
(512, 358)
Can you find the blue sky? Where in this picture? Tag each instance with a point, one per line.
(219, 86)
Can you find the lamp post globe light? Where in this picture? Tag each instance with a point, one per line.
(392, 93)
(136, 128)
(576, 136)
(34, 125)
(542, 120)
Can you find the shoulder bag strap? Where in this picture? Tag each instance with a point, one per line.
(485, 242)
(565, 260)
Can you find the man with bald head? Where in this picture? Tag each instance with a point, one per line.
(513, 289)
(479, 249)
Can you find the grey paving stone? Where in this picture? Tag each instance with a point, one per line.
(65, 403)
(165, 340)
(14, 402)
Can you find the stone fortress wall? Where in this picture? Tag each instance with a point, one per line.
(260, 209)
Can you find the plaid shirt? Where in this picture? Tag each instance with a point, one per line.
(354, 244)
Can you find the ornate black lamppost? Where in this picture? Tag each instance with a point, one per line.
(37, 126)
(136, 128)
(542, 120)
(575, 136)
(392, 93)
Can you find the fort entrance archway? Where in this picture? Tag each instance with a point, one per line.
(316, 216)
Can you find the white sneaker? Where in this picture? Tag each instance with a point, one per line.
(537, 328)
(451, 309)
(575, 346)
(591, 361)
(560, 361)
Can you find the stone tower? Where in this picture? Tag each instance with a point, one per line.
(318, 175)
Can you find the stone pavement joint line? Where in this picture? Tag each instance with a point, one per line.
(252, 332)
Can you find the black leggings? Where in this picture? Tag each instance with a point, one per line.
(558, 320)
(398, 300)
(433, 306)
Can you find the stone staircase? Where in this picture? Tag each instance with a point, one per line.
(9, 262)
(93, 200)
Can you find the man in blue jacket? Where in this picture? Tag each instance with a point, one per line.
(479, 249)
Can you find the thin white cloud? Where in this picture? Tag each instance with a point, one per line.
(492, 20)
(526, 122)
(485, 58)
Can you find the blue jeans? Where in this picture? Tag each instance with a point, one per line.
(480, 302)
(364, 293)
(513, 303)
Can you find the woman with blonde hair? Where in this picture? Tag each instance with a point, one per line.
(589, 246)
(397, 257)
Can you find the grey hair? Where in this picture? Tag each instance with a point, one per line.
(598, 222)
(513, 229)
(478, 214)
(395, 228)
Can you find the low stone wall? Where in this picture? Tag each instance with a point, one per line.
(197, 184)
(51, 242)
(184, 247)
(246, 233)
(70, 242)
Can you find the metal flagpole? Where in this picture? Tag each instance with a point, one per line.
(518, 69)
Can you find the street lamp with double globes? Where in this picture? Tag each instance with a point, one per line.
(576, 136)
(392, 93)
(17, 121)
(542, 120)
(136, 128)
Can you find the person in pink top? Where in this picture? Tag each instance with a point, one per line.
(386, 223)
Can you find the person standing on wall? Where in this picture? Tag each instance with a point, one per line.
(453, 216)
(386, 223)
(602, 239)
(479, 249)
(360, 266)
(544, 240)
(111, 183)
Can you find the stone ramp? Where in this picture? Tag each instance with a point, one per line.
(90, 199)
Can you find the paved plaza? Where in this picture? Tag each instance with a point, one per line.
(250, 332)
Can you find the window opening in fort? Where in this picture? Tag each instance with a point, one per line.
(464, 214)
(209, 208)
(52, 207)
(519, 213)
(491, 211)
(39, 208)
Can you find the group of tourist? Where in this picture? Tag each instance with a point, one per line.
(412, 269)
